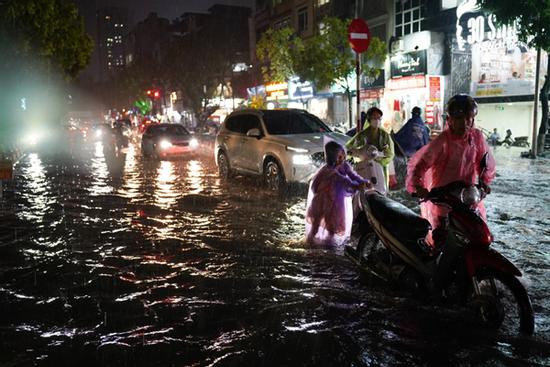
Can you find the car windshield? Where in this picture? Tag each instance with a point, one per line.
(167, 130)
(292, 122)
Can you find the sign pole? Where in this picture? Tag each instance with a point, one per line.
(358, 85)
(536, 107)
(359, 40)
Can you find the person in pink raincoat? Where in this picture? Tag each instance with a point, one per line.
(329, 211)
(453, 156)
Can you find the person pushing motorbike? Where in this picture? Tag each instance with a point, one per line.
(452, 156)
(373, 142)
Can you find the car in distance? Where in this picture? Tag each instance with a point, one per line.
(166, 140)
(282, 145)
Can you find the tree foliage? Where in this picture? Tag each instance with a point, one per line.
(49, 31)
(279, 52)
(324, 59)
(328, 58)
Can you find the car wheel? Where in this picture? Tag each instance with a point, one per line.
(224, 171)
(273, 176)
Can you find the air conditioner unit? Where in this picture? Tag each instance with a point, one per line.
(397, 46)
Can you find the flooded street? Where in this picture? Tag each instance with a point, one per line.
(113, 260)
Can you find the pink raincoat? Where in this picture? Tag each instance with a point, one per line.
(446, 159)
(329, 212)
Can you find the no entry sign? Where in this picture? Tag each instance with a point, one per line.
(359, 35)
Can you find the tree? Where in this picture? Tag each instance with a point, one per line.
(279, 52)
(531, 18)
(324, 59)
(39, 39)
(48, 30)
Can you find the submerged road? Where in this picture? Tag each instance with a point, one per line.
(113, 260)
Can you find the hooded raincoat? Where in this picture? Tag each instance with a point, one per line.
(445, 159)
(381, 140)
(412, 136)
(329, 213)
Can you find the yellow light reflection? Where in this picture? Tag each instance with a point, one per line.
(132, 182)
(195, 176)
(164, 193)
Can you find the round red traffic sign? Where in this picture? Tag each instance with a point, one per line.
(359, 35)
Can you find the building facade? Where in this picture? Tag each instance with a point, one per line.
(112, 29)
(436, 48)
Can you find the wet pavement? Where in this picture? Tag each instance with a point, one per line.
(112, 260)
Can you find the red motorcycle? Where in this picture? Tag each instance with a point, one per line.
(476, 276)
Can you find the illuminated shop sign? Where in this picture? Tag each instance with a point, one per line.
(298, 90)
(408, 64)
(474, 27)
(276, 91)
(408, 82)
(258, 90)
(368, 82)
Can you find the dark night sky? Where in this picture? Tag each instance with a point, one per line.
(170, 9)
(139, 9)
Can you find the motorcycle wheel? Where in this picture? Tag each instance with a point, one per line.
(503, 303)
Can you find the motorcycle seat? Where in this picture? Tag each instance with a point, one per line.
(404, 224)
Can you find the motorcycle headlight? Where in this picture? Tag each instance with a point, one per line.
(301, 159)
(165, 144)
(98, 133)
(193, 143)
(32, 138)
(470, 196)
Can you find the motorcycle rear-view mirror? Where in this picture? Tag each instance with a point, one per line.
(483, 162)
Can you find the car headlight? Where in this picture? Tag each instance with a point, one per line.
(165, 144)
(301, 159)
(32, 139)
(193, 143)
(296, 150)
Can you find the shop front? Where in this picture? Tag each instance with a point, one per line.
(501, 74)
(415, 83)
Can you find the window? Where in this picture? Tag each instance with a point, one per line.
(242, 123)
(165, 129)
(289, 122)
(322, 2)
(408, 17)
(282, 23)
(302, 20)
(247, 122)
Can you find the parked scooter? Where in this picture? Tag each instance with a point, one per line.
(520, 141)
(367, 167)
(477, 276)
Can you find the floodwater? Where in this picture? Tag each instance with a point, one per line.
(112, 260)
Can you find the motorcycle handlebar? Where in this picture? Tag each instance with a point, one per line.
(438, 194)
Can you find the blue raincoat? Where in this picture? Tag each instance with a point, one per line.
(412, 136)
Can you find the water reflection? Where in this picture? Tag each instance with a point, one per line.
(99, 172)
(37, 188)
(165, 196)
(131, 178)
(212, 271)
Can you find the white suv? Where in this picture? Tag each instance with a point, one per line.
(283, 146)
